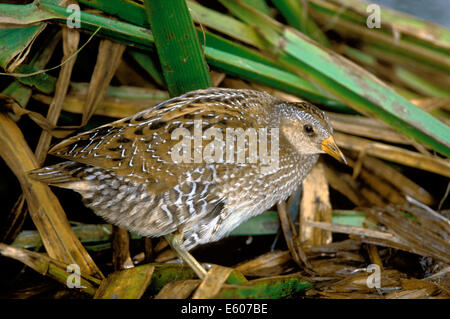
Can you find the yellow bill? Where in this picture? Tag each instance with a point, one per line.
(329, 146)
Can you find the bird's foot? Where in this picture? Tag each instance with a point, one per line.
(175, 241)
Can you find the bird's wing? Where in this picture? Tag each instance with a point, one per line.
(140, 146)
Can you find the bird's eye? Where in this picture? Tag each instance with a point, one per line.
(308, 129)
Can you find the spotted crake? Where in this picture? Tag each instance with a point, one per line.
(126, 173)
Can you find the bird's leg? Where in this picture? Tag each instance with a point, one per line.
(175, 241)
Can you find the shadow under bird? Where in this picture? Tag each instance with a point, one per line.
(125, 172)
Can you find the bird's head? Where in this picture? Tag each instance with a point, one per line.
(308, 129)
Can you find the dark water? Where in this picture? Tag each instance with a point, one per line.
(437, 11)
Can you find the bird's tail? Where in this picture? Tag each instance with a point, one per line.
(58, 174)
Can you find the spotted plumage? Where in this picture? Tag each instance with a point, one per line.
(126, 173)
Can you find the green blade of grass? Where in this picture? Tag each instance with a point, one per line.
(297, 16)
(165, 273)
(264, 224)
(149, 65)
(349, 218)
(260, 5)
(18, 91)
(23, 14)
(266, 288)
(420, 84)
(264, 25)
(15, 42)
(120, 31)
(127, 10)
(226, 24)
(42, 81)
(184, 66)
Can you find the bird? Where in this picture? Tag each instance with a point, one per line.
(149, 173)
